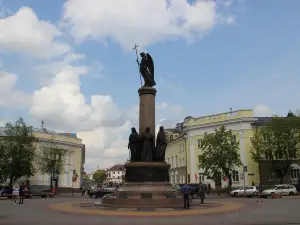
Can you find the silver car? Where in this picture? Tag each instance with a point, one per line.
(283, 189)
(247, 191)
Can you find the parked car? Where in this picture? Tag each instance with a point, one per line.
(282, 189)
(245, 191)
(99, 193)
(41, 191)
(6, 192)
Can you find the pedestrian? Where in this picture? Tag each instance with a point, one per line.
(202, 190)
(186, 189)
(208, 188)
(83, 191)
(15, 195)
(21, 193)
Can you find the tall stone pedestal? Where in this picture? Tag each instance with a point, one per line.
(146, 183)
(147, 109)
(146, 186)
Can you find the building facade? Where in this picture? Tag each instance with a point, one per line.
(176, 157)
(267, 176)
(74, 161)
(115, 174)
(240, 123)
(193, 130)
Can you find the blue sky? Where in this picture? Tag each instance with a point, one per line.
(239, 54)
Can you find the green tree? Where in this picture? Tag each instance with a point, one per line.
(278, 143)
(219, 154)
(19, 144)
(52, 161)
(85, 177)
(4, 163)
(99, 176)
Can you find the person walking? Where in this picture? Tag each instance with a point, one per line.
(82, 191)
(202, 190)
(15, 195)
(208, 188)
(186, 189)
(21, 193)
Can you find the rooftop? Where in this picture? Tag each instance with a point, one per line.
(117, 167)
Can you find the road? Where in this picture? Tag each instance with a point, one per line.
(269, 212)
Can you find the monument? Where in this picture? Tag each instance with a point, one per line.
(147, 174)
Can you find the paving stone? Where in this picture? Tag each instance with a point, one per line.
(164, 209)
(126, 209)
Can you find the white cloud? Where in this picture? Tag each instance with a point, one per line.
(23, 32)
(46, 72)
(102, 125)
(262, 111)
(133, 21)
(62, 100)
(9, 96)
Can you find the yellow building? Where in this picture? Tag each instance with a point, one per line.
(176, 157)
(75, 158)
(240, 122)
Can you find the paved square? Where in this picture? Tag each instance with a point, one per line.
(37, 211)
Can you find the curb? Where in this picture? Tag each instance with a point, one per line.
(225, 207)
(3, 198)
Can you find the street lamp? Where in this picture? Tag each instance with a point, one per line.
(186, 161)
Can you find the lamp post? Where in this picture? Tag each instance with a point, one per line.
(186, 161)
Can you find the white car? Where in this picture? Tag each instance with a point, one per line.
(247, 191)
(282, 189)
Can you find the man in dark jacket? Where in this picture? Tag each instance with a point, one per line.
(186, 189)
(22, 193)
(202, 190)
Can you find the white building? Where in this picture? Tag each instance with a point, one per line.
(115, 174)
(74, 159)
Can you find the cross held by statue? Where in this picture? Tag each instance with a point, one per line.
(135, 47)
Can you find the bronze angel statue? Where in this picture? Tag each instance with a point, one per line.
(147, 69)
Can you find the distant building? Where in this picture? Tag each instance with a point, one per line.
(90, 175)
(115, 174)
(171, 134)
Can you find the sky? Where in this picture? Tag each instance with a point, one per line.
(71, 64)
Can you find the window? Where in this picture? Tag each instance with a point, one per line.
(201, 177)
(199, 143)
(265, 136)
(294, 173)
(235, 176)
(183, 162)
(181, 147)
(180, 163)
(172, 163)
(199, 158)
(271, 177)
(176, 161)
(233, 139)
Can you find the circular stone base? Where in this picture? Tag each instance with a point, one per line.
(204, 209)
(141, 203)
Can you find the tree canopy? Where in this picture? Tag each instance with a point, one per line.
(99, 176)
(19, 151)
(52, 160)
(277, 142)
(219, 154)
